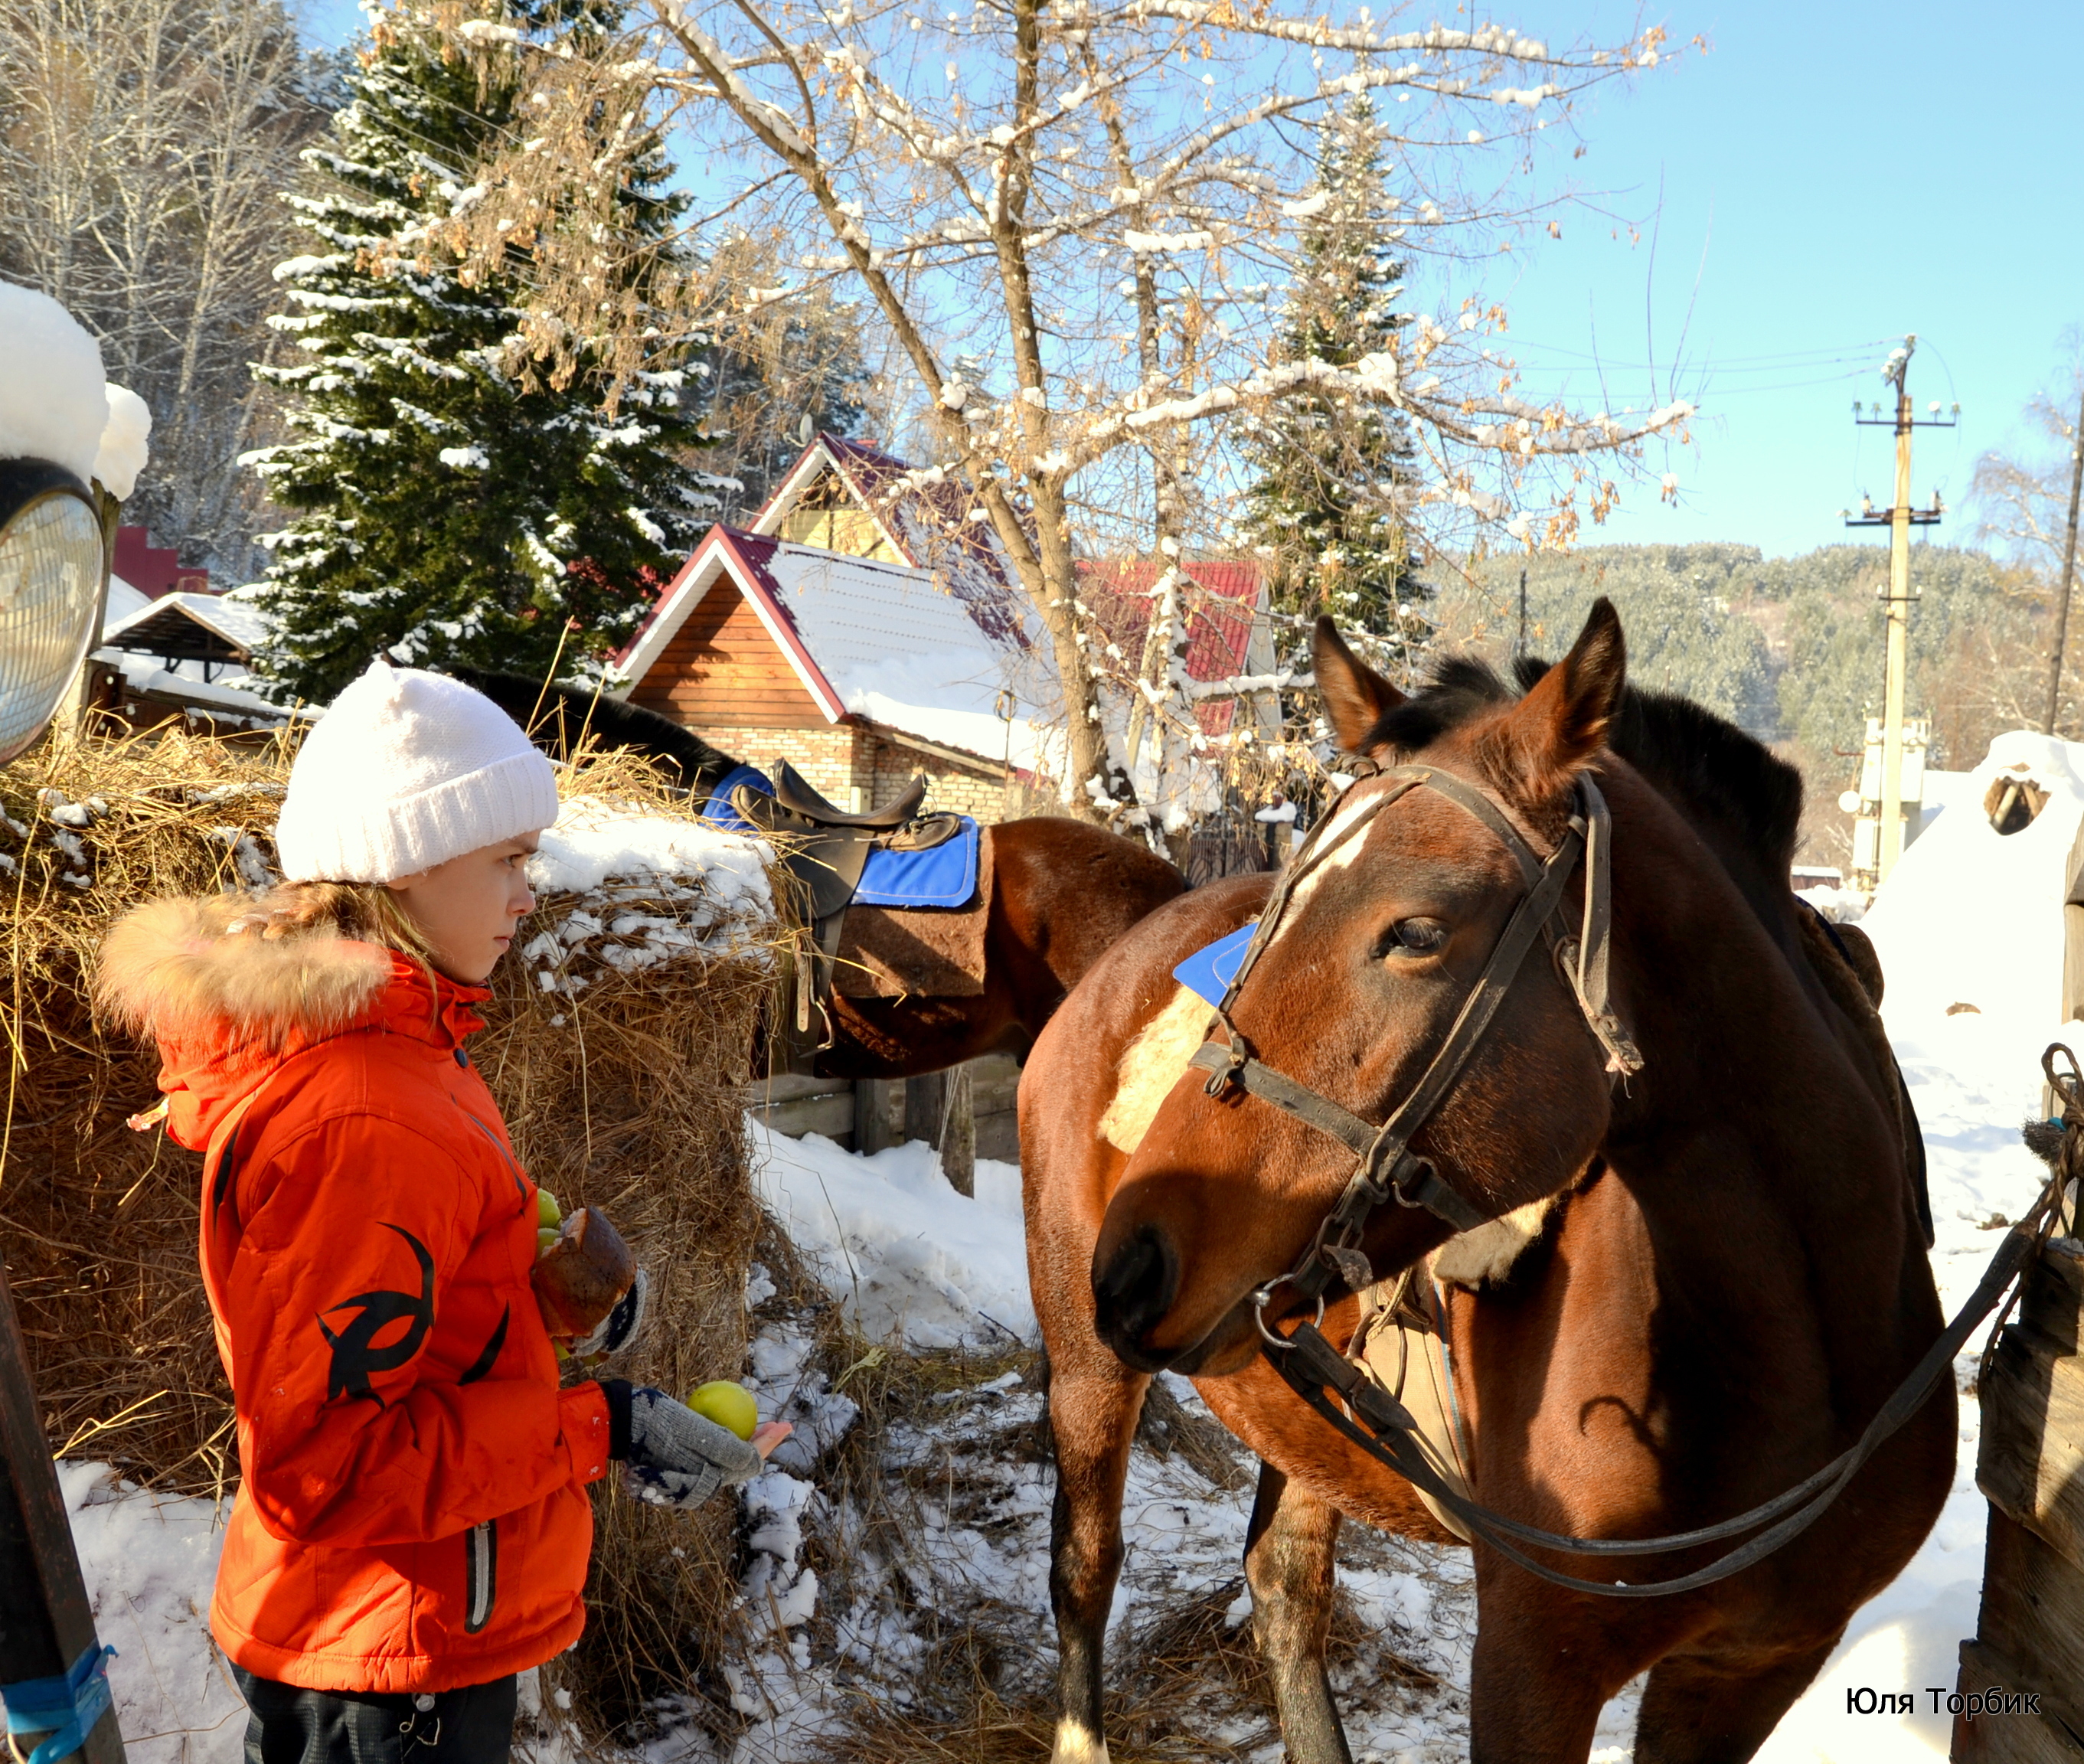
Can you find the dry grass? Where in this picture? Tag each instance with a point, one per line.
(632, 1103)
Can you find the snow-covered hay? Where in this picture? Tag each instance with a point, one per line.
(618, 1045)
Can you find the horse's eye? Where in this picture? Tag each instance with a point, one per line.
(1420, 936)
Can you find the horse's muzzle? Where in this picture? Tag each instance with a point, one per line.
(1133, 1292)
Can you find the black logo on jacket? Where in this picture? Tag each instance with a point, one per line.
(353, 1357)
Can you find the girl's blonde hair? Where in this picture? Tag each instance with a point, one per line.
(368, 912)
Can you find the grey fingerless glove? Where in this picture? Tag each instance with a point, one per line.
(671, 1455)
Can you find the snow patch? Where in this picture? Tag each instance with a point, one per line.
(53, 404)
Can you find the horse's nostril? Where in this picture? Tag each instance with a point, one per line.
(1137, 1286)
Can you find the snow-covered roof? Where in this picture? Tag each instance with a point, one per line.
(233, 622)
(864, 638)
(123, 601)
(225, 697)
(927, 519)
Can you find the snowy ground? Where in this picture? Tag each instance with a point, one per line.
(891, 1588)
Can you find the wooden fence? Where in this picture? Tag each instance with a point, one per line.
(966, 1112)
(2030, 1637)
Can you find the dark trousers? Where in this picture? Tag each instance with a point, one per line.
(288, 1725)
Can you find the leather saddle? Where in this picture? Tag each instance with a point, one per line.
(824, 850)
(794, 794)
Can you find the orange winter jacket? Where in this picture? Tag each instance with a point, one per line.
(411, 1513)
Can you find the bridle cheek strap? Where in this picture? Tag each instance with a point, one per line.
(1388, 1168)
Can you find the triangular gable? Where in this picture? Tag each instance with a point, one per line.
(926, 525)
(823, 456)
(741, 557)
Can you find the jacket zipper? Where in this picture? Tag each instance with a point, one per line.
(480, 1574)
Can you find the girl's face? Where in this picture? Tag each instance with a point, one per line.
(468, 908)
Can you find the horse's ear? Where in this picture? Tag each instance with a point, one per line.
(1356, 696)
(1556, 731)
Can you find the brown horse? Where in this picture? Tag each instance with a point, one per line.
(1734, 1284)
(1062, 890)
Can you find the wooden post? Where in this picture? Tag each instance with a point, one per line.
(958, 1133)
(871, 1115)
(2030, 1632)
(45, 1623)
(925, 1096)
(2073, 934)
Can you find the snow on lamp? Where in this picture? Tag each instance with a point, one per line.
(71, 446)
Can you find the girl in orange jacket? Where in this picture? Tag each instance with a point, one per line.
(411, 1528)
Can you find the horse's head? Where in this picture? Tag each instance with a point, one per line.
(1369, 965)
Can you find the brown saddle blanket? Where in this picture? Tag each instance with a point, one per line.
(896, 952)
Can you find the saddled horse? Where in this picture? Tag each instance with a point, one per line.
(1733, 1283)
(1062, 891)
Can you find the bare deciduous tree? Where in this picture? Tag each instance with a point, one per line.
(2029, 508)
(1073, 220)
(144, 146)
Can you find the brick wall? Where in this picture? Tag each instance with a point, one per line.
(839, 759)
(834, 760)
(958, 789)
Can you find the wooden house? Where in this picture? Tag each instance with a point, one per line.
(181, 658)
(866, 626)
(859, 671)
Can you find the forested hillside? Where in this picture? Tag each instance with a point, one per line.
(1791, 648)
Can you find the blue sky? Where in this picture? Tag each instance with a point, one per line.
(1831, 175)
(1826, 178)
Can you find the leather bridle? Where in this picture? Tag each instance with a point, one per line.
(1340, 1393)
(1389, 1170)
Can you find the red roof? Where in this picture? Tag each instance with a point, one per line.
(1221, 601)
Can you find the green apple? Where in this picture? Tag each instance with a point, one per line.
(549, 1215)
(727, 1404)
(545, 1236)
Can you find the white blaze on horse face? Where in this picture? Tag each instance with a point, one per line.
(1338, 858)
(1078, 1744)
(1151, 1065)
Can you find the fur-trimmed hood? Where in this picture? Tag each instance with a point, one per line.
(229, 996)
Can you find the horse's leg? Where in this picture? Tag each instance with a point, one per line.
(1539, 1675)
(1094, 1403)
(1696, 1712)
(1288, 1564)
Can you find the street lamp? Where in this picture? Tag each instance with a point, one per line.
(54, 576)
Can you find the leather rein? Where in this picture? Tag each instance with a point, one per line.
(1388, 1170)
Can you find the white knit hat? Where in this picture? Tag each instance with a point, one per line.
(405, 770)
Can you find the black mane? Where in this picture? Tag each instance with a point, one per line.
(557, 717)
(1711, 768)
(1715, 773)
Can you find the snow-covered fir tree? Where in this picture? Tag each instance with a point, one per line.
(1329, 469)
(454, 503)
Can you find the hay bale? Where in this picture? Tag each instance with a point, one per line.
(616, 1050)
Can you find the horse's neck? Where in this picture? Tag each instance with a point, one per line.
(1757, 1150)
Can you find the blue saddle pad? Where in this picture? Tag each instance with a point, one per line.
(718, 811)
(944, 875)
(1211, 970)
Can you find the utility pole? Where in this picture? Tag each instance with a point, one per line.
(1899, 518)
(2068, 573)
